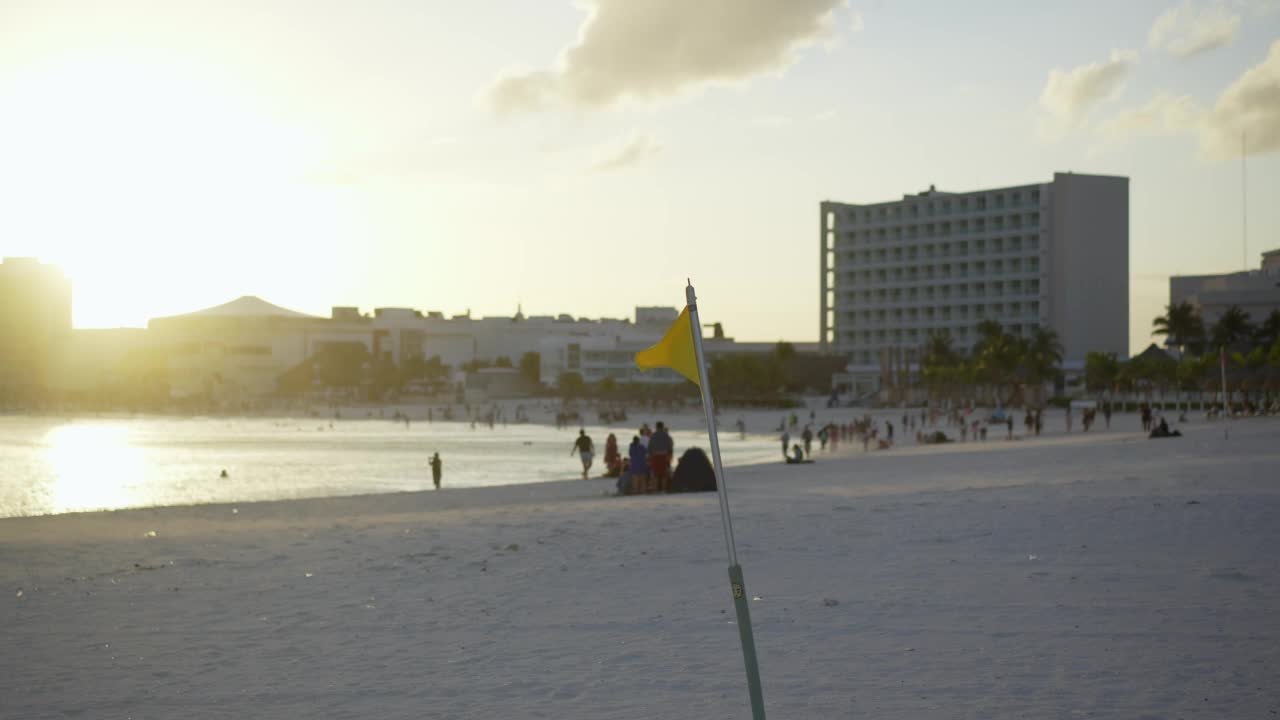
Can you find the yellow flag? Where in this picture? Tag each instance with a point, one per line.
(674, 351)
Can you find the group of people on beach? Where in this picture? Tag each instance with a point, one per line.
(648, 458)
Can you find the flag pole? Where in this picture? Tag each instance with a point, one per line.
(736, 584)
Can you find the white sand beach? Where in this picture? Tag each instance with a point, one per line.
(1104, 575)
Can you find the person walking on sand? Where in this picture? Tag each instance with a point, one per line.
(437, 469)
(786, 442)
(807, 436)
(585, 449)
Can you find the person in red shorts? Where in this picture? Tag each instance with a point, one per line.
(661, 449)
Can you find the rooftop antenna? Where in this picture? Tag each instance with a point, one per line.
(1244, 204)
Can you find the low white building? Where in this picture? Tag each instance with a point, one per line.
(239, 350)
(1257, 292)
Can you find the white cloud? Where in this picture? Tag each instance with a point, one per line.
(635, 151)
(1164, 113)
(627, 49)
(1068, 95)
(1186, 30)
(855, 22)
(1249, 106)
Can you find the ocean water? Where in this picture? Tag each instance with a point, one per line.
(58, 465)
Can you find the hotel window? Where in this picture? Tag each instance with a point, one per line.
(997, 245)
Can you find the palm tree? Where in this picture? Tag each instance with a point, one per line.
(1043, 353)
(939, 350)
(1101, 370)
(1181, 325)
(1269, 331)
(1232, 327)
(940, 363)
(997, 356)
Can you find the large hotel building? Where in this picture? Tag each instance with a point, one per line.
(1052, 254)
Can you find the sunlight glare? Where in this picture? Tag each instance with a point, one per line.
(123, 162)
(94, 466)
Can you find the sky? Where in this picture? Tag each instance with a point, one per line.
(590, 157)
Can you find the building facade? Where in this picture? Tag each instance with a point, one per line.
(1257, 292)
(1052, 255)
(35, 326)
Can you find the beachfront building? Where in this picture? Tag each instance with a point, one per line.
(596, 358)
(238, 350)
(1257, 292)
(1052, 254)
(35, 324)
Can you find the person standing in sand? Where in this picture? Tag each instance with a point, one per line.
(585, 449)
(437, 469)
(661, 449)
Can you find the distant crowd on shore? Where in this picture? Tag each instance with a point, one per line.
(647, 466)
(935, 426)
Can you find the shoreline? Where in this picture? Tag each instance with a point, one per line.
(567, 489)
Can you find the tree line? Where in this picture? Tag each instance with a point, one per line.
(1005, 365)
(1250, 353)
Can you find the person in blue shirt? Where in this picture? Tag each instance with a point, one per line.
(630, 481)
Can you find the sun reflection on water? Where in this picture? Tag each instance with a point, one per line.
(94, 466)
